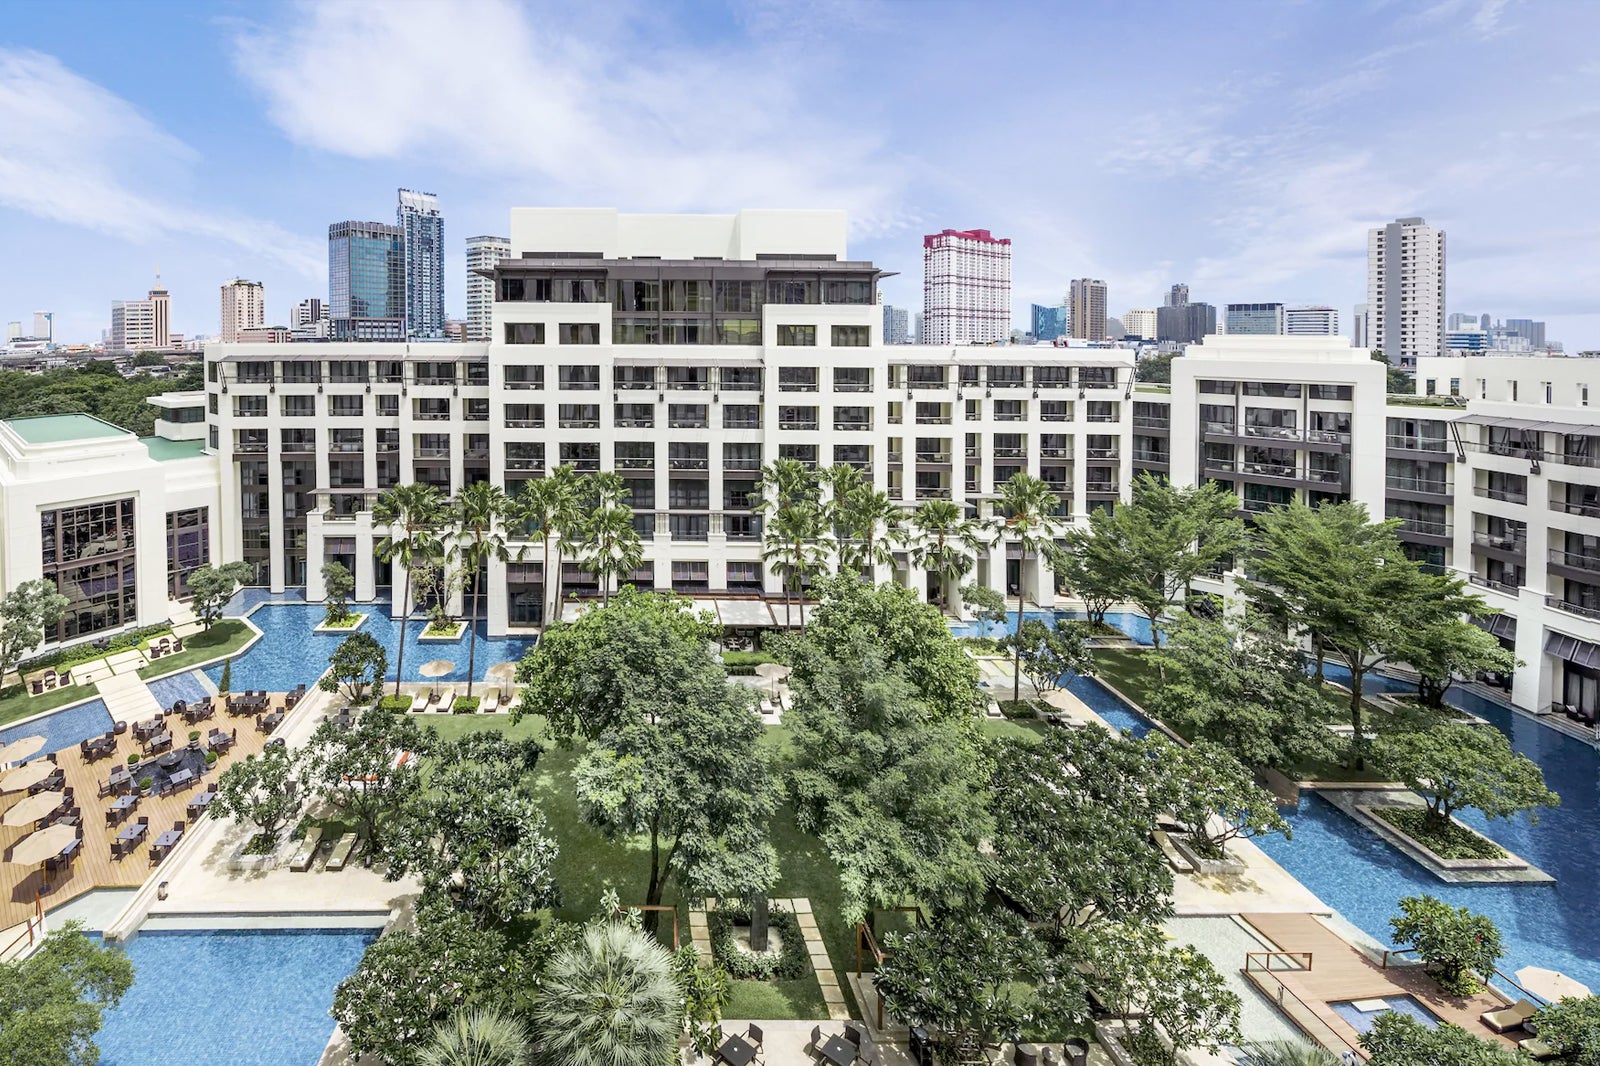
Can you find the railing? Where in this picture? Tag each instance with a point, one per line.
(839, 424)
(688, 464)
(525, 423)
(1273, 432)
(1270, 469)
(687, 423)
(1328, 436)
(580, 423)
(1020, 418)
(636, 423)
(1261, 506)
(933, 457)
(1219, 464)
(433, 416)
(1262, 961)
(1325, 477)
(254, 447)
(635, 463)
(1571, 608)
(1503, 495)
(521, 383)
(693, 386)
(933, 420)
(797, 386)
(1575, 560)
(1145, 456)
(525, 464)
(741, 464)
(1501, 542)
(431, 453)
(1297, 1009)
(1499, 586)
(1425, 527)
(1100, 453)
(798, 424)
(1417, 484)
(635, 386)
(1586, 510)
(1011, 453)
(1148, 422)
(1226, 428)
(1418, 444)
(742, 423)
(851, 387)
(1056, 453)
(33, 930)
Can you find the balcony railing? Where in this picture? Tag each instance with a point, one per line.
(1575, 560)
(1141, 455)
(851, 386)
(1056, 452)
(933, 420)
(580, 423)
(933, 457)
(1503, 495)
(742, 423)
(1260, 506)
(688, 464)
(1418, 484)
(346, 446)
(1100, 453)
(1500, 541)
(431, 453)
(1328, 436)
(1219, 464)
(1406, 443)
(1571, 608)
(797, 423)
(1226, 428)
(433, 416)
(1019, 417)
(1325, 477)
(1586, 510)
(636, 463)
(1425, 527)
(250, 447)
(525, 423)
(842, 424)
(1273, 432)
(1149, 422)
(741, 464)
(1498, 586)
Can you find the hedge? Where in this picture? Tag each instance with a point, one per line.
(790, 964)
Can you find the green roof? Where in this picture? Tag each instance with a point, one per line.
(59, 429)
(163, 450)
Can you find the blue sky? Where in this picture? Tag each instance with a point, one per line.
(1242, 147)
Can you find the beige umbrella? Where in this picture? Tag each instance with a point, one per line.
(1551, 985)
(21, 749)
(437, 668)
(772, 671)
(33, 808)
(45, 844)
(504, 672)
(26, 776)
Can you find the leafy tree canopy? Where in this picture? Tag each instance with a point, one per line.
(1449, 647)
(1048, 653)
(1400, 1040)
(357, 770)
(261, 789)
(52, 1003)
(1456, 946)
(25, 613)
(96, 389)
(1217, 798)
(213, 586)
(1456, 766)
(357, 662)
(1572, 1027)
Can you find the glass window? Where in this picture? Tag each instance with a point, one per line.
(792, 290)
(685, 331)
(580, 333)
(299, 406)
(524, 332)
(635, 331)
(738, 330)
(636, 295)
(346, 406)
(797, 336)
(851, 336)
(847, 291)
(389, 406)
(686, 294)
(741, 378)
(738, 297)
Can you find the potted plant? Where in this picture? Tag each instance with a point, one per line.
(132, 759)
(146, 783)
(211, 758)
(194, 739)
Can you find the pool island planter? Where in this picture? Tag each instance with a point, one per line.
(357, 621)
(240, 862)
(1510, 869)
(1228, 864)
(431, 636)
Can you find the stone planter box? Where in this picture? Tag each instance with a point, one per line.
(1509, 867)
(239, 862)
(361, 620)
(1227, 865)
(426, 637)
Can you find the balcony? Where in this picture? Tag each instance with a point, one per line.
(1586, 510)
(250, 447)
(1149, 422)
(1430, 486)
(1424, 527)
(1575, 561)
(1100, 453)
(742, 423)
(346, 446)
(1325, 477)
(580, 423)
(1572, 608)
(687, 423)
(851, 386)
(1400, 442)
(431, 453)
(1141, 455)
(1227, 429)
(850, 426)
(584, 466)
(688, 464)
(1056, 452)
(1328, 436)
(387, 446)
(1008, 453)
(1258, 506)
(942, 458)
(1101, 418)
(797, 423)
(1058, 485)
(525, 423)
(635, 463)
(522, 384)
(972, 486)
(798, 386)
(1227, 465)
(1497, 586)
(1009, 417)
(933, 420)
(1273, 432)
(1517, 545)
(432, 416)
(1503, 495)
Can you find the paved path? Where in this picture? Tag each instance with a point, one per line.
(128, 698)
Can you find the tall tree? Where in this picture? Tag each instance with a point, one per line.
(945, 542)
(609, 547)
(211, 587)
(1049, 652)
(1449, 648)
(871, 524)
(1098, 564)
(262, 790)
(671, 751)
(338, 584)
(544, 507)
(1400, 1040)
(794, 543)
(52, 1002)
(611, 1000)
(1458, 948)
(1215, 797)
(1455, 766)
(358, 661)
(413, 515)
(481, 511)
(359, 773)
(1031, 515)
(26, 612)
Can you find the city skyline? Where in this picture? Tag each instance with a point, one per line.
(1255, 176)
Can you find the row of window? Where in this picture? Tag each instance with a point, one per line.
(743, 331)
(688, 294)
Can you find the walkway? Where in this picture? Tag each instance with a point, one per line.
(1338, 973)
(128, 698)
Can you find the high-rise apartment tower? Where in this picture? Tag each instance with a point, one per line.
(482, 255)
(1086, 301)
(422, 228)
(366, 282)
(244, 306)
(966, 287)
(1405, 290)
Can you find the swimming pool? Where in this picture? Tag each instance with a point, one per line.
(1361, 1020)
(244, 997)
(290, 654)
(1136, 626)
(64, 728)
(186, 686)
(1107, 705)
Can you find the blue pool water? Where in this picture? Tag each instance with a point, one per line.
(1136, 626)
(64, 728)
(247, 998)
(290, 654)
(186, 686)
(1361, 1020)
(1107, 705)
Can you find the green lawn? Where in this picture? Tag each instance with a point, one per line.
(1025, 729)
(224, 638)
(15, 702)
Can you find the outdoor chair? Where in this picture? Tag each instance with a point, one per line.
(446, 701)
(36, 686)
(1537, 1049)
(1075, 1051)
(490, 702)
(341, 852)
(814, 1048)
(1512, 1017)
(1024, 1058)
(753, 1034)
(853, 1033)
(420, 701)
(300, 862)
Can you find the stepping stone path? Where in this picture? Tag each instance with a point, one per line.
(827, 979)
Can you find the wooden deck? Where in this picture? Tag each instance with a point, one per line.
(1338, 972)
(94, 867)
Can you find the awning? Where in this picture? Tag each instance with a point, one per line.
(1497, 625)
(746, 614)
(1573, 650)
(1501, 423)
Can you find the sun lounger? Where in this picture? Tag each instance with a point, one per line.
(1537, 1049)
(420, 701)
(447, 700)
(1174, 858)
(490, 702)
(301, 860)
(1512, 1017)
(341, 852)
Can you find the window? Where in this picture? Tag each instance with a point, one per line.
(301, 372)
(852, 379)
(347, 371)
(686, 416)
(636, 295)
(851, 336)
(635, 331)
(634, 415)
(212, 402)
(430, 410)
(738, 330)
(847, 291)
(579, 377)
(389, 372)
(436, 373)
(254, 373)
(633, 377)
(299, 406)
(1549, 395)
(797, 379)
(686, 294)
(249, 407)
(389, 406)
(695, 378)
(741, 378)
(346, 406)
(797, 336)
(580, 333)
(741, 416)
(88, 554)
(1513, 390)
(524, 332)
(791, 290)
(738, 297)
(685, 331)
(741, 457)
(797, 417)
(579, 415)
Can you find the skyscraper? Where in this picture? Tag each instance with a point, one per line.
(1405, 290)
(1049, 323)
(1527, 328)
(1311, 321)
(966, 287)
(1178, 295)
(918, 328)
(1140, 322)
(1361, 327)
(141, 325)
(1258, 319)
(1182, 322)
(1086, 302)
(482, 255)
(366, 282)
(244, 307)
(896, 325)
(422, 228)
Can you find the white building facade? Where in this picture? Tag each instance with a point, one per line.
(1406, 291)
(1311, 321)
(966, 287)
(244, 306)
(483, 253)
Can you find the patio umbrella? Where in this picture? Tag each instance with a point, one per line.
(21, 749)
(45, 844)
(33, 808)
(504, 672)
(26, 776)
(1551, 985)
(772, 671)
(437, 668)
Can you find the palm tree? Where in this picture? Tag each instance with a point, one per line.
(610, 1000)
(873, 523)
(1289, 1053)
(412, 514)
(480, 536)
(794, 542)
(543, 507)
(608, 544)
(945, 541)
(785, 482)
(479, 1036)
(1030, 507)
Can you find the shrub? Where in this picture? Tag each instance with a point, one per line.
(980, 645)
(1455, 945)
(395, 703)
(1019, 710)
(789, 964)
(465, 705)
(1446, 840)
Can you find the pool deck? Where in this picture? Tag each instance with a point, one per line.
(1338, 972)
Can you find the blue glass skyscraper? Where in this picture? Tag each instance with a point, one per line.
(366, 282)
(422, 228)
(1049, 323)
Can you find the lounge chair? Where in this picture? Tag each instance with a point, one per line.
(1537, 1049)
(1512, 1017)
(341, 852)
(490, 702)
(420, 701)
(447, 700)
(300, 862)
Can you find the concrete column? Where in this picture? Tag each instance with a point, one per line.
(316, 589)
(1533, 683)
(366, 571)
(496, 609)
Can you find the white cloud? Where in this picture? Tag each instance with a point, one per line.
(73, 152)
(632, 115)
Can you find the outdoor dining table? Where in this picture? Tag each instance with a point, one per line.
(160, 741)
(198, 805)
(126, 839)
(736, 1051)
(182, 777)
(839, 1051)
(121, 807)
(164, 842)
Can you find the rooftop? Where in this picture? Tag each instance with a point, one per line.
(163, 450)
(59, 429)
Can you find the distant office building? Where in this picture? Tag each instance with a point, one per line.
(1049, 323)
(896, 325)
(264, 335)
(1311, 321)
(142, 325)
(1469, 338)
(308, 320)
(1178, 295)
(1361, 327)
(1140, 322)
(244, 306)
(455, 330)
(422, 228)
(1182, 322)
(1254, 319)
(482, 255)
(366, 282)
(44, 326)
(1115, 330)
(1086, 304)
(1405, 290)
(966, 287)
(918, 329)
(1459, 320)
(1527, 328)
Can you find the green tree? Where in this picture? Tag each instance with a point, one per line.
(1572, 1027)
(987, 606)
(1400, 1040)
(225, 682)
(338, 586)
(544, 507)
(1456, 946)
(1049, 652)
(671, 750)
(609, 546)
(707, 992)
(945, 542)
(93, 388)
(794, 543)
(1240, 684)
(211, 587)
(1397, 382)
(357, 771)
(1031, 513)
(261, 790)
(1097, 564)
(358, 661)
(481, 511)
(52, 1003)
(1185, 995)
(1452, 647)
(412, 515)
(25, 613)
(1155, 369)
(478, 1036)
(1217, 799)
(1289, 1053)
(869, 525)
(611, 1000)
(1455, 766)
